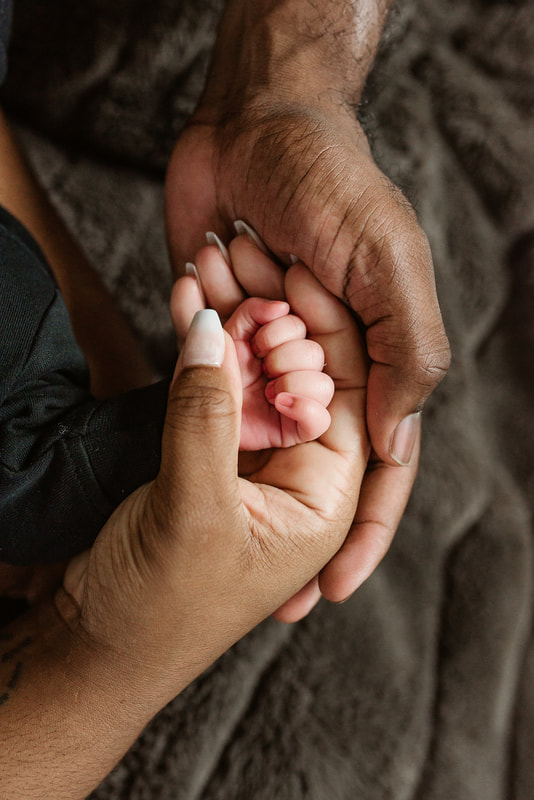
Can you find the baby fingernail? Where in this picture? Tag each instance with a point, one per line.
(190, 269)
(285, 400)
(242, 227)
(404, 439)
(204, 345)
(212, 238)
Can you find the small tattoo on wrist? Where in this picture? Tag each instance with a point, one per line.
(12, 682)
(9, 655)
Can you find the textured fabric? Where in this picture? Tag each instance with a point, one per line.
(66, 460)
(420, 687)
(5, 25)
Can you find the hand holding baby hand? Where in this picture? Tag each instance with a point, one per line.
(285, 391)
(192, 561)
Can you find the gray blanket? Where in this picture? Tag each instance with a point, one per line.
(422, 686)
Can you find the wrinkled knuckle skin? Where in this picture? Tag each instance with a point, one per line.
(430, 369)
(399, 199)
(198, 407)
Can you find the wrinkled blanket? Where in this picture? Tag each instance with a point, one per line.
(421, 687)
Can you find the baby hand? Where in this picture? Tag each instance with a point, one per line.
(285, 391)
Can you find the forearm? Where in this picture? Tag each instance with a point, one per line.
(116, 361)
(65, 717)
(297, 49)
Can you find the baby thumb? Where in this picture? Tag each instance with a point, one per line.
(198, 474)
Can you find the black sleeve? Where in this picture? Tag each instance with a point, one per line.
(66, 460)
(5, 26)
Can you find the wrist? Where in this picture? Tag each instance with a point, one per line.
(311, 53)
(64, 721)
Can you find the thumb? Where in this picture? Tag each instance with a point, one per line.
(200, 442)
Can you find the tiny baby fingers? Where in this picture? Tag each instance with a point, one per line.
(251, 314)
(311, 417)
(308, 383)
(275, 333)
(301, 354)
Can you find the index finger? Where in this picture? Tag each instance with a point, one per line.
(330, 323)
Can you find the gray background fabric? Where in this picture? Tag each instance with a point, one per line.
(420, 687)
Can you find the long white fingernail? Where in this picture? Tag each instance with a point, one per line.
(242, 227)
(204, 345)
(212, 238)
(190, 269)
(404, 439)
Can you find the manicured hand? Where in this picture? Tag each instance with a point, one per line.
(195, 559)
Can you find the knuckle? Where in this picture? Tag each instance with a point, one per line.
(414, 345)
(198, 406)
(429, 368)
(399, 199)
(388, 248)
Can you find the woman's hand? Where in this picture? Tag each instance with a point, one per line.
(191, 562)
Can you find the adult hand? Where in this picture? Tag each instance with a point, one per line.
(191, 562)
(185, 566)
(274, 142)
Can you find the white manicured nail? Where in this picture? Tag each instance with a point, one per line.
(204, 345)
(212, 238)
(242, 227)
(293, 258)
(190, 269)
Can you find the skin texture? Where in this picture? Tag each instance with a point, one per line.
(275, 142)
(86, 669)
(285, 392)
(385, 489)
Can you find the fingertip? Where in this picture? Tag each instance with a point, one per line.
(186, 299)
(256, 271)
(213, 240)
(243, 228)
(284, 402)
(221, 289)
(404, 439)
(394, 430)
(253, 313)
(300, 605)
(205, 344)
(273, 309)
(192, 271)
(343, 576)
(312, 418)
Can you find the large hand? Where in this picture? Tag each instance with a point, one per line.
(305, 180)
(192, 561)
